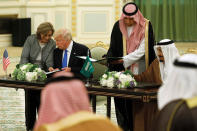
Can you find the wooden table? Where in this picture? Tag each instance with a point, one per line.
(144, 96)
(144, 103)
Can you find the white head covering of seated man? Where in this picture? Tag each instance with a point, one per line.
(181, 82)
(170, 52)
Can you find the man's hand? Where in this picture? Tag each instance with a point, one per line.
(117, 61)
(51, 69)
(67, 69)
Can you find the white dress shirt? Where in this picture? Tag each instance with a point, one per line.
(133, 57)
(69, 49)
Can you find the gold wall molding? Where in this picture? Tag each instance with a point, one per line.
(73, 16)
(117, 10)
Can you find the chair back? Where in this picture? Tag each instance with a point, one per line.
(97, 51)
(192, 50)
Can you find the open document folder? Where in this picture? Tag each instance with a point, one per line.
(102, 61)
(51, 72)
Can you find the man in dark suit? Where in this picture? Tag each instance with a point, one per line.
(65, 55)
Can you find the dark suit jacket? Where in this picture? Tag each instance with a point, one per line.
(75, 63)
(116, 46)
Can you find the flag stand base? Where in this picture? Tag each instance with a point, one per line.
(5, 77)
(88, 83)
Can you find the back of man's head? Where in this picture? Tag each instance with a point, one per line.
(181, 81)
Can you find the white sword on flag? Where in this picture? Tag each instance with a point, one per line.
(88, 79)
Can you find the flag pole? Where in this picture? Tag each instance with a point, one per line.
(88, 79)
(6, 70)
(6, 74)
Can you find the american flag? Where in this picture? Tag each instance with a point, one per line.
(6, 60)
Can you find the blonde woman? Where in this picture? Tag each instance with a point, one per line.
(38, 49)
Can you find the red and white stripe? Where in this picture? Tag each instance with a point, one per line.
(6, 62)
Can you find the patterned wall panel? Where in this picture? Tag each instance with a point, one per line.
(37, 18)
(40, 14)
(96, 2)
(39, 0)
(9, 0)
(60, 19)
(95, 19)
(94, 23)
(88, 20)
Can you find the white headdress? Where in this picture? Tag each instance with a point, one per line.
(170, 52)
(181, 81)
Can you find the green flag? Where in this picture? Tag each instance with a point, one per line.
(87, 68)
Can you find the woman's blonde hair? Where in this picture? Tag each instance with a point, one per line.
(44, 28)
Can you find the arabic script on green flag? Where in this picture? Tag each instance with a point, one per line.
(87, 68)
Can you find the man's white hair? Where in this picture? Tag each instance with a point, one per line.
(65, 33)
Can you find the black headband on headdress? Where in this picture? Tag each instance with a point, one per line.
(184, 64)
(165, 43)
(130, 14)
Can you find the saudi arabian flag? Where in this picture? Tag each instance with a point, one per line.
(87, 68)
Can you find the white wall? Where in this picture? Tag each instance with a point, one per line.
(89, 20)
